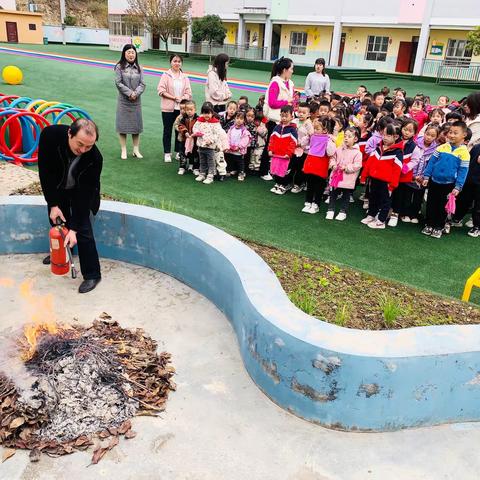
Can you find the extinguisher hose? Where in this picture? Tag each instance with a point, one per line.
(69, 251)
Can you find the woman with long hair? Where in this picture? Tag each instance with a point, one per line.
(173, 87)
(217, 91)
(317, 82)
(472, 111)
(130, 85)
(280, 92)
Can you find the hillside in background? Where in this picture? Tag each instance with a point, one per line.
(87, 13)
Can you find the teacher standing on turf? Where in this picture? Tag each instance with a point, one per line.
(216, 88)
(173, 87)
(317, 82)
(279, 93)
(130, 85)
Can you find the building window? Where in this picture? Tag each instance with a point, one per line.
(177, 38)
(32, 26)
(118, 25)
(298, 43)
(376, 48)
(458, 54)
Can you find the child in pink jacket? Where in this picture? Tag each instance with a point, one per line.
(239, 139)
(345, 165)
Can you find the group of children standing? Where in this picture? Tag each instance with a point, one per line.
(401, 149)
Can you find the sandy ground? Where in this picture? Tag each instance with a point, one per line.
(218, 424)
(13, 177)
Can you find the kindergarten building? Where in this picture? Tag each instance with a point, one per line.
(405, 36)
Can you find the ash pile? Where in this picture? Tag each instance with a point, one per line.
(88, 384)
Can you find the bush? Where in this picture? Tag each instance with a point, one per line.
(70, 21)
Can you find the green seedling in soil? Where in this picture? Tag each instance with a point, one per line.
(342, 315)
(310, 284)
(304, 300)
(307, 266)
(296, 266)
(318, 269)
(391, 309)
(334, 270)
(323, 282)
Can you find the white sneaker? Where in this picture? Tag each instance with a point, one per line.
(406, 219)
(137, 154)
(367, 220)
(208, 180)
(414, 220)
(314, 208)
(274, 188)
(281, 190)
(181, 171)
(297, 189)
(200, 178)
(351, 200)
(365, 205)
(469, 224)
(341, 216)
(196, 172)
(330, 214)
(327, 201)
(393, 221)
(307, 207)
(377, 224)
(168, 158)
(177, 156)
(267, 177)
(362, 197)
(241, 177)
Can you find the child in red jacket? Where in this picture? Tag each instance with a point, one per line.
(322, 148)
(281, 148)
(383, 168)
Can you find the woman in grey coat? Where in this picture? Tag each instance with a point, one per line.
(130, 85)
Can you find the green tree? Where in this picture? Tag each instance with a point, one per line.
(208, 29)
(161, 17)
(473, 41)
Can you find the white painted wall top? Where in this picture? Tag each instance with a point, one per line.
(8, 4)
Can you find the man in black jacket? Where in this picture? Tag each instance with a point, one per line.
(70, 164)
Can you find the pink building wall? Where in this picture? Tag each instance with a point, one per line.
(411, 11)
(198, 8)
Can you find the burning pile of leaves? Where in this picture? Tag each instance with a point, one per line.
(88, 383)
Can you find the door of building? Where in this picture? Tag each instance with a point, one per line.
(342, 48)
(155, 42)
(404, 56)
(413, 54)
(275, 51)
(12, 33)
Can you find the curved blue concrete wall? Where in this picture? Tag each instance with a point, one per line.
(337, 377)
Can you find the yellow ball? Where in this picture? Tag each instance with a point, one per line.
(12, 75)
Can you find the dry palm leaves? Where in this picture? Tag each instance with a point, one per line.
(118, 369)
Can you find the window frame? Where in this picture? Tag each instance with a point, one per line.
(457, 53)
(176, 38)
(377, 48)
(298, 43)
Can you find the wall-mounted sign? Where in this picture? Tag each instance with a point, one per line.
(436, 49)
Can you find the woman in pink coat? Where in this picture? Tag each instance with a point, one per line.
(345, 165)
(173, 87)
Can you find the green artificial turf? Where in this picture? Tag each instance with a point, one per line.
(246, 209)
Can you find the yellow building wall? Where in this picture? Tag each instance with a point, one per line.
(319, 40)
(356, 45)
(231, 37)
(441, 37)
(22, 20)
(255, 29)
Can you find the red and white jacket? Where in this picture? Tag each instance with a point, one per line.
(283, 140)
(385, 164)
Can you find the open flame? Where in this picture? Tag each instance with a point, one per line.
(42, 318)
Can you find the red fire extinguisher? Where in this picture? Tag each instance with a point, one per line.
(60, 254)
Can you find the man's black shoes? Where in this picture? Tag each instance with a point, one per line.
(88, 285)
(46, 260)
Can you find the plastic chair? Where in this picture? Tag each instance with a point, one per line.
(472, 281)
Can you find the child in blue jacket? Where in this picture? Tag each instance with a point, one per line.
(445, 173)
